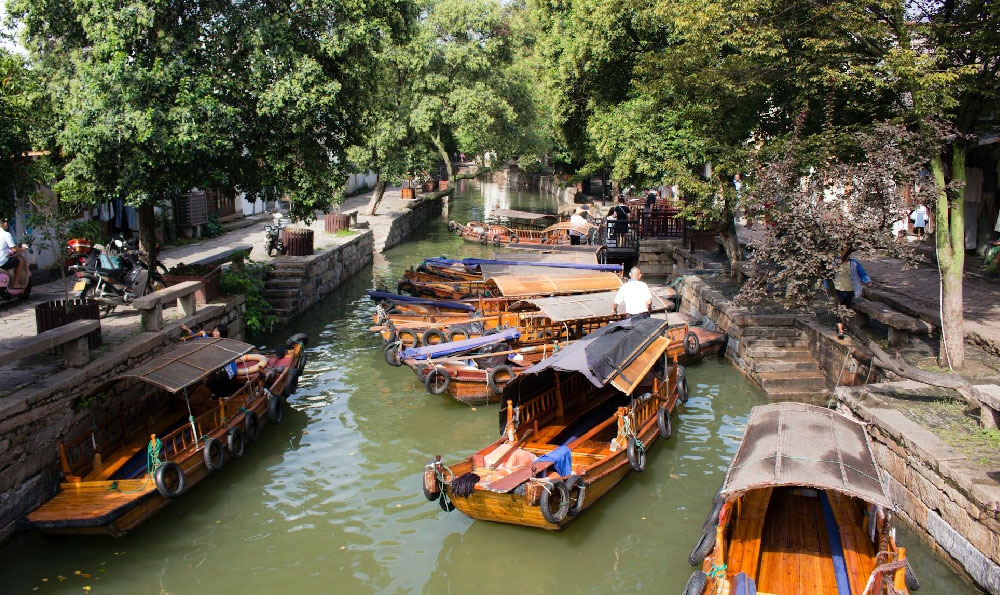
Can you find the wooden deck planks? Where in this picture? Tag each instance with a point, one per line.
(744, 545)
(794, 550)
(859, 552)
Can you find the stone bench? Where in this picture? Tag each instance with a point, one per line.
(150, 306)
(989, 400)
(72, 337)
(901, 326)
(225, 256)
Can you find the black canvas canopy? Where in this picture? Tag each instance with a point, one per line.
(794, 444)
(599, 356)
(188, 363)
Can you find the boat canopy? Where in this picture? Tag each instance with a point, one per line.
(794, 444)
(514, 214)
(624, 350)
(189, 363)
(539, 285)
(487, 265)
(561, 308)
(567, 226)
(582, 257)
(453, 347)
(395, 297)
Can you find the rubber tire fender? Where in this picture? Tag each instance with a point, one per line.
(910, 576)
(301, 365)
(433, 388)
(692, 344)
(703, 547)
(546, 500)
(392, 356)
(432, 333)
(514, 239)
(682, 387)
(452, 334)
(251, 426)
(576, 482)
(636, 458)
(213, 462)
(393, 335)
(409, 332)
(291, 383)
(696, 583)
(405, 286)
(160, 481)
(236, 440)
(491, 375)
(664, 424)
(302, 338)
(497, 241)
(713, 515)
(446, 504)
(275, 410)
(431, 496)
(483, 239)
(452, 225)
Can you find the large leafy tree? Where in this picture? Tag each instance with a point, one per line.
(151, 99)
(16, 118)
(468, 92)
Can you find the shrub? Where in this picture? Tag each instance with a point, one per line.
(250, 282)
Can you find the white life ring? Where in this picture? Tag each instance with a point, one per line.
(244, 368)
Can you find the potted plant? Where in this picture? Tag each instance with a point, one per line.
(336, 221)
(210, 277)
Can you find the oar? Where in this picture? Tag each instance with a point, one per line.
(503, 458)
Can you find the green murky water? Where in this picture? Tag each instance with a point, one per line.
(329, 501)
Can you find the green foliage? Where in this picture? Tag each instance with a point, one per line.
(17, 82)
(249, 282)
(212, 228)
(90, 229)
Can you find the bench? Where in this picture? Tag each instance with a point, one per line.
(989, 400)
(900, 325)
(225, 256)
(150, 306)
(72, 337)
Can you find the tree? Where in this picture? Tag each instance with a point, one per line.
(16, 117)
(152, 99)
(466, 91)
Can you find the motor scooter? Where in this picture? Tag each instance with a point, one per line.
(273, 234)
(10, 294)
(116, 287)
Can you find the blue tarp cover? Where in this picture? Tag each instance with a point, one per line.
(442, 349)
(563, 459)
(385, 295)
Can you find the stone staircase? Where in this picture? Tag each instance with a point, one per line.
(283, 289)
(780, 361)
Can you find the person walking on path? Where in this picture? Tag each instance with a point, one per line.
(848, 282)
(919, 217)
(634, 295)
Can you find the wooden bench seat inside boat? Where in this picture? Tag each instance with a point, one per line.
(164, 422)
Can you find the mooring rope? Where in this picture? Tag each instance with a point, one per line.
(153, 450)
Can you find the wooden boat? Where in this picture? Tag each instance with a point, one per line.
(701, 343)
(803, 509)
(156, 446)
(501, 235)
(573, 427)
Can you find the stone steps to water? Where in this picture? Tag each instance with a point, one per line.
(777, 352)
(780, 342)
(801, 379)
(789, 364)
(783, 365)
(770, 332)
(812, 397)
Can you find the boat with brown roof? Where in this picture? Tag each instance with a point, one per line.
(176, 420)
(574, 425)
(803, 509)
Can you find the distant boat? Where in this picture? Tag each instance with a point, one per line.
(573, 426)
(803, 509)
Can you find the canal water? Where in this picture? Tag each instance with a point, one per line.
(330, 500)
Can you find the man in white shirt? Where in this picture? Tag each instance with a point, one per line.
(635, 295)
(578, 221)
(10, 261)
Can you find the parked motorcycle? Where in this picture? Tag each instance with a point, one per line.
(113, 280)
(273, 234)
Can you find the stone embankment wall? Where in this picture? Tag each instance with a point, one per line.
(34, 419)
(552, 185)
(297, 283)
(421, 211)
(951, 500)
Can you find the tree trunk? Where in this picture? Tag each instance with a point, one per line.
(949, 234)
(730, 241)
(147, 234)
(616, 189)
(436, 139)
(377, 194)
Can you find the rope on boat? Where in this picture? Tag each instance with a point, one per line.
(153, 451)
(718, 571)
(630, 433)
(441, 481)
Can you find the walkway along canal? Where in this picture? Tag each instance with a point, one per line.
(330, 502)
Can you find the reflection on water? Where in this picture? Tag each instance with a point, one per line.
(329, 501)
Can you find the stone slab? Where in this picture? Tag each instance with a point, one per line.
(985, 572)
(19, 348)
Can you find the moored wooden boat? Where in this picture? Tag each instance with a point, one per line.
(501, 235)
(573, 427)
(803, 509)
(189, 419)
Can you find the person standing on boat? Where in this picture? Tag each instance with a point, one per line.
(634, 295)
(577, 220)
